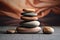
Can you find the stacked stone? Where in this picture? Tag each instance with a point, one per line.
(29, 23)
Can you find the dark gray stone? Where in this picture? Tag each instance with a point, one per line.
(29, 14)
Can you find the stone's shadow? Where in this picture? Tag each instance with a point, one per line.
(4, 32)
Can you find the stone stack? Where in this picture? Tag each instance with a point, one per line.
(29, 23)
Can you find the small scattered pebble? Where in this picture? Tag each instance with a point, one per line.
(12, 31)
(48, 30)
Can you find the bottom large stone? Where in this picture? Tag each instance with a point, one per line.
(28, 30)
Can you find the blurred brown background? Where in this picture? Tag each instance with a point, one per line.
(10, 11)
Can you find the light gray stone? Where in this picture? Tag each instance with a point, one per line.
(30, 24)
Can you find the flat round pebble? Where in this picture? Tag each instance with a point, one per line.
(30, 24)
(48, 30)
(28, 30)
(12, 31)
(29, 10)
(29, 18)
(29, 14)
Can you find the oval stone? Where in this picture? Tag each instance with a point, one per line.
(48, 30)
(29, 18)
(30, 24)
(29, 14)
(28, 30)
(11, 31)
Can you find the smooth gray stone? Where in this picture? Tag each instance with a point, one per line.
(29, 14)
(30, 24)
